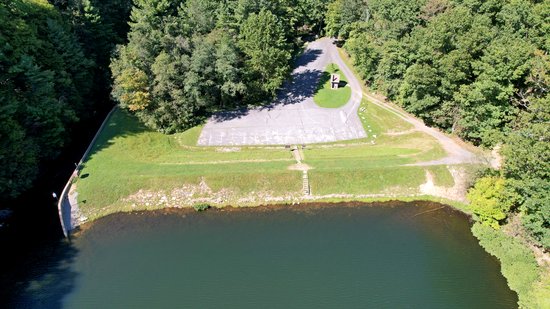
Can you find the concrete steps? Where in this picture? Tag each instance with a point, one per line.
(305, 184)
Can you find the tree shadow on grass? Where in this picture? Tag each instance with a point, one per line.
(120, 124)
(325, 78)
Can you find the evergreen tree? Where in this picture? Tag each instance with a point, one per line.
(262, 40)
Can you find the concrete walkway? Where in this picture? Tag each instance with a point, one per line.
(293, 118)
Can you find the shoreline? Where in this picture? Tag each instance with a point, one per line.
(298, 207)
(511, 267)
(79, 220)
(147, 202)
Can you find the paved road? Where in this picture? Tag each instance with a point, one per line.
(293, 118)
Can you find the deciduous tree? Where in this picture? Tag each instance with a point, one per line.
(262, 40)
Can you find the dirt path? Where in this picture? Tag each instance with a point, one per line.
(455, 193)
(456, 154)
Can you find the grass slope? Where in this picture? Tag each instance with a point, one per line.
(129, 160)
(332, 98)
(128, 157)
(133, 168)
(376, 164)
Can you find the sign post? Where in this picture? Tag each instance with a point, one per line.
(334, 81)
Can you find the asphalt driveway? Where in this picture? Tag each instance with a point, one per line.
(293, 118)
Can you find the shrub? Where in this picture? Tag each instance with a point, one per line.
(201, 207)
(491, 201)
(517, 262)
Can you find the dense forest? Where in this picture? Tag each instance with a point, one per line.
(477, 69)
(54, 73)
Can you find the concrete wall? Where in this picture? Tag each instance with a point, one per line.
(67, 205)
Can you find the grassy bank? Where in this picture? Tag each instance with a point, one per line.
(128, 158)
(133, 168)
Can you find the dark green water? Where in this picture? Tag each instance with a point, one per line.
(314, 257)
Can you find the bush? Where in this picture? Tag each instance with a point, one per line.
(201, 207)
(490, 200)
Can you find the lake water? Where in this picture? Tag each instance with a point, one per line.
(400, 255)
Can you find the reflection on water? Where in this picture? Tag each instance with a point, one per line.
(334, 256)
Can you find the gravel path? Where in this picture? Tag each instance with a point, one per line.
(456, 154)
(293, 118)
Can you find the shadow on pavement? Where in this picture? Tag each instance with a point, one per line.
(301, 86)
(307, 57)
(228, 115)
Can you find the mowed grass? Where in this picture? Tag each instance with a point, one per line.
(380, 168)
(382, 163)
(442, 176)
(377, 120)
(128, 157)
(332, 98)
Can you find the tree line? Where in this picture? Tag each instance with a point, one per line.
(176, 61)
(478, 69)
(54, 72)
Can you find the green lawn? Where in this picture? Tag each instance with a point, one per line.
(133, 168)
(332, 98)
(127, 158)
(377, 164)
(442, 177)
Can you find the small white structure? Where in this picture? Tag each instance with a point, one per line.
(334, 81)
